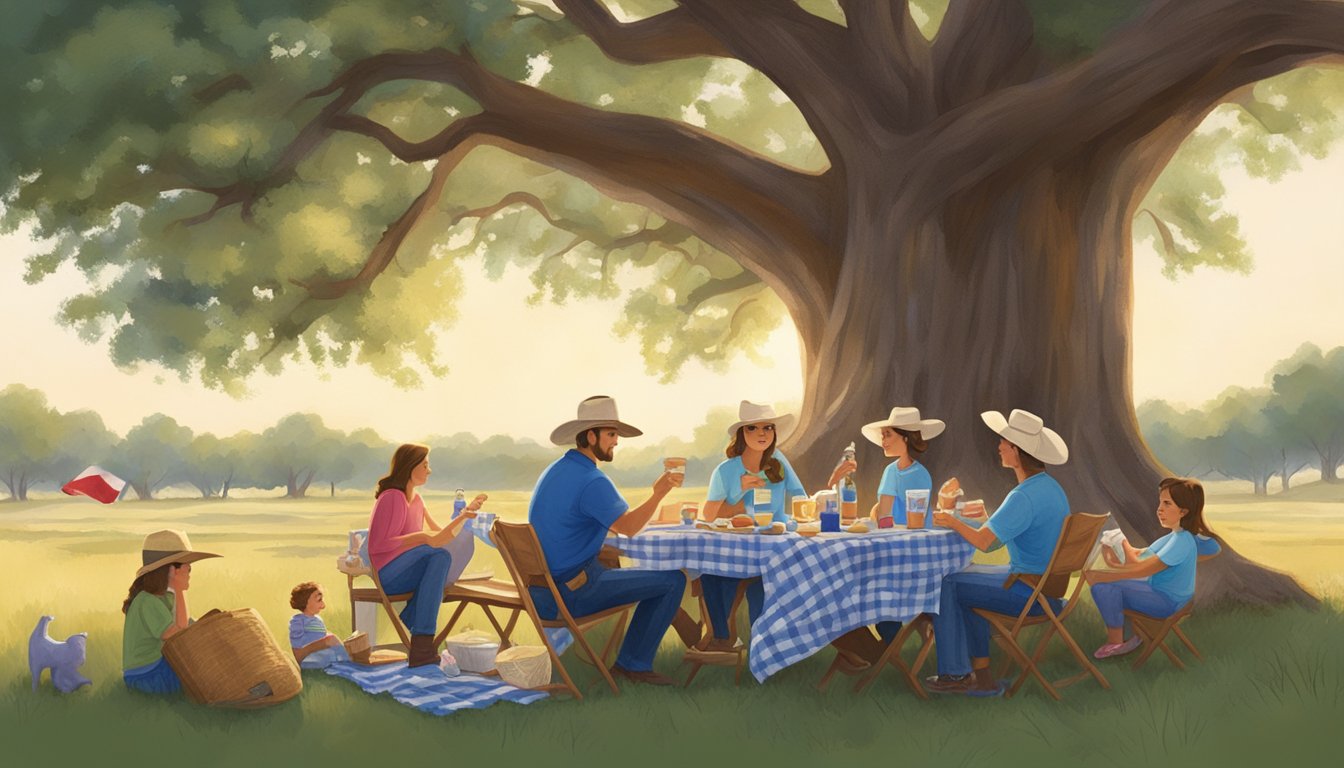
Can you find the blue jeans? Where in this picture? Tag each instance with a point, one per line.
(423, 571)
(657, 592)
(153, 678)
(324, 658)
(719, 594)
(959, 632)
(1113, 598)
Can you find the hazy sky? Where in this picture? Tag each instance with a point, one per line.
(521, 370)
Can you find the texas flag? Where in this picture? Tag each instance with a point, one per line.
(96, 483)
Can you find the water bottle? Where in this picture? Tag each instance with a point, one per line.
(847, 489)
(459, 502)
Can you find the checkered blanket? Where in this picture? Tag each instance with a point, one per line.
(429, 690)
(818, 588)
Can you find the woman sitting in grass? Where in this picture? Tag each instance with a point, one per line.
(1159, 580)
(156, 609)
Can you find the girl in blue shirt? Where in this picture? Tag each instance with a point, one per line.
(1159, 580)
(753, 462)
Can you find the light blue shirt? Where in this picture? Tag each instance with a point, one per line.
(1029, 521)
(572, 508)
(305, 629)
(726, 485)
(1179, 552)
(896, 481)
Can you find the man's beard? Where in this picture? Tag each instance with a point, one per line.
(604, 455)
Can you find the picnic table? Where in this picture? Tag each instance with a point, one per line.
(816, 588)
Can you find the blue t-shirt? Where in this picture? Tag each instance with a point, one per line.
(573, 507)
(305, 629)
(726, 485)
(1207, 546)
(896, 481)
(1029, 521)
(1179, 552)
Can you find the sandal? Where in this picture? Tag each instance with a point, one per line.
(1117, 649)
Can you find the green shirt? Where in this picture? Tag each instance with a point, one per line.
(148, 617)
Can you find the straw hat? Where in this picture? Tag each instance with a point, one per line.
(596, 411)
(907, 418)
(164, 547)
(1028, 432)
(751, 413)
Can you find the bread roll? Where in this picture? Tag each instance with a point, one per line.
(742, 521)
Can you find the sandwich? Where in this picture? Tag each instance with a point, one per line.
(742, 521)
(949, 493)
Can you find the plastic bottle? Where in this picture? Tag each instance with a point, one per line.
(762, 500)
(847, 490)
(459, 502)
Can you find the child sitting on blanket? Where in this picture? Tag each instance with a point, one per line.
(314, 647)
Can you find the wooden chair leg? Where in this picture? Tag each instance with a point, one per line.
(1191, 646)
(737, 672)
(1078, 652)
(830, 672)
(695, 670)
(1149, 643)
(596, 660)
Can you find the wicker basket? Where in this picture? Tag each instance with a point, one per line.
(524, 666)
(357, 647)
(230, 659)
(474, 651)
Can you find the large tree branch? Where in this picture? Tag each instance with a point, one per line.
(668, 36)
(894, 58)
(1179, 60)
(982, 46)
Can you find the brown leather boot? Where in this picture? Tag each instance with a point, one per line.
(423, 651)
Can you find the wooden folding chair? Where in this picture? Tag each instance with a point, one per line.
(735, 658)
(1153, 631)
(527, 564)
(1072, 551)
(484, 593)
(891, 655)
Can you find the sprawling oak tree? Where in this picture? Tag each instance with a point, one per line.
(941, 196)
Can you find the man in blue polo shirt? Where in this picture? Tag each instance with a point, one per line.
(573, 508)
(1028, 523)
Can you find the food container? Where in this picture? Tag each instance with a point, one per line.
(474, 651)
(524, 666)
(358, 647)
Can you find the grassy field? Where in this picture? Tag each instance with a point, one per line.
(1270, 691)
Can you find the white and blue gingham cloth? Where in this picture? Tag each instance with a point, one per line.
(818, 588)
(429, 690)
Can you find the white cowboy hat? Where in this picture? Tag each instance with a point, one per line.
(1028, 432)
(597, 411)
(164, 547)
(751, 413)
(907, 418)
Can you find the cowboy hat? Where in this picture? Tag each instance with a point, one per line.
(751, 413)
(164, 547)
(1028, 432)
(906, 418)
(595, 412)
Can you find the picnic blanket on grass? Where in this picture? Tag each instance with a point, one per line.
(429, 690)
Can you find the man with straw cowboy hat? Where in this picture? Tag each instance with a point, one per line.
(1028, 524)
(573, 507)
(152, 614)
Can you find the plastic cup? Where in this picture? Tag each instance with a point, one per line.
(764, 518)
(675, 465)
(689, 511)
(804, 510)
(916, 508)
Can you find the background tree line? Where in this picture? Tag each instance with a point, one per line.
(41, 447)
(1293, 423)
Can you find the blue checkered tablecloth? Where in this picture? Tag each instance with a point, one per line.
(817, 588)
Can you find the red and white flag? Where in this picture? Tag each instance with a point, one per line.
(96, 483)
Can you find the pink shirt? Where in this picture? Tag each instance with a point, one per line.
(392, 517)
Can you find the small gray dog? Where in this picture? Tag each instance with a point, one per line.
(63, 658)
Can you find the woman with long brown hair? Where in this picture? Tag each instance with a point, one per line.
(405, 546)
(156, 609)
(753, 462)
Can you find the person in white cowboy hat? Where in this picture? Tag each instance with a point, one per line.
(156, 609)
(754, 461)
(903, 435)
(573, 507)
(1028, 524)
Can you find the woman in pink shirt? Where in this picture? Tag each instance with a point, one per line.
(408, 557)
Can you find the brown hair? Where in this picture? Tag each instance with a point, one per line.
(774, 471)
(155, 583)
(404, 461)
(298, 596)
(914, 442)
(1188, 494)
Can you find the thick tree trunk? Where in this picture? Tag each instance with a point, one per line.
(1012, 294)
